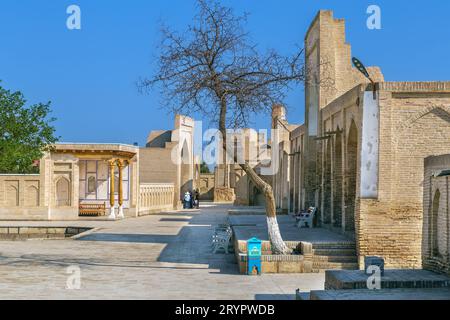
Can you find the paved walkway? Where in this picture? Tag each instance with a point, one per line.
(164, 256)
(248, 226)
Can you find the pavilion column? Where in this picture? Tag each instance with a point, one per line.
(121, 165)
(112, 166)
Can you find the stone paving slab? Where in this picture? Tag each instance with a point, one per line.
(246, 227)
(347, 279)
(385, 294)
(242, 211)
(165, 256)
(259, 220)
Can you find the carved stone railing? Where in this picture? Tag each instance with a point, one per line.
(156, 197)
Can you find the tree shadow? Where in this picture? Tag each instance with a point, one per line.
(191, 246)
(131, 238)
(175, 219)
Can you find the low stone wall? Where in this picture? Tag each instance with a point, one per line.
(27, 233)
(224, 195)
(27, 197)
(295, 263)
(155, 198)
(22, 197)
(278, 264)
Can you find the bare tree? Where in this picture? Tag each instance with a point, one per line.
(214, 69)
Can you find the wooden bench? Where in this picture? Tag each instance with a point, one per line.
(92, 210)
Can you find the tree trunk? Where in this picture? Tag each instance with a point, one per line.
(279, 247)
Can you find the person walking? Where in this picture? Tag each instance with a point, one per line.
(192, 202)
(197, 199)
(187, 200)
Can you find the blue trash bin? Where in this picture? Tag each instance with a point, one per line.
(254, 257)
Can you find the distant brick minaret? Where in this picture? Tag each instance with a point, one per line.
(329, 75)
(278, 114)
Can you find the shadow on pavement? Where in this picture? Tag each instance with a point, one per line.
(131, 238)
(271, 297)
(192, 245)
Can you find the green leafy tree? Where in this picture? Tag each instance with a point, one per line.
(25, 133)
(204, 168)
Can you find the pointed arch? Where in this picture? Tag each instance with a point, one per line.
(327, 185)
(351, 176)
(62, 192)
(186, 182)
(32, 197)
(12, 194)
(431, 109)
(434, 226)
(337, 180)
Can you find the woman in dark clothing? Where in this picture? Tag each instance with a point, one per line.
(197, 199)
(192, 202)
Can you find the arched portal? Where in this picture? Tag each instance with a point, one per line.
(327, 186)
(337, 188)
(351, 174)
(186, 169)
(256, 198)
(435, 224)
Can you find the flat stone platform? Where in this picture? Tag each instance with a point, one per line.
(384, 294)
(245, 211)
(315, 249)
(248, 226)
(393, 279)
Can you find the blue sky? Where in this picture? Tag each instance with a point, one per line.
(89, 75)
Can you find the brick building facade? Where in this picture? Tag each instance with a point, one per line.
(359, 157)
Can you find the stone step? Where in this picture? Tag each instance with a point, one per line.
(335, 258)
(305, 296)
(334, 245)
(324, 266)
(335, 252)
(384, 294)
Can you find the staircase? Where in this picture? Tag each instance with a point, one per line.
(334, 255)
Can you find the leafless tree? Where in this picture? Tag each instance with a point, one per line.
(215, 70)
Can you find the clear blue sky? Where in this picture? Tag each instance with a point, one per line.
(90, 75)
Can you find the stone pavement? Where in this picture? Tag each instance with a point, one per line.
(248, 226)
(392, 279)
(163, 256)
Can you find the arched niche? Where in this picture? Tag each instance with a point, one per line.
(62, 194)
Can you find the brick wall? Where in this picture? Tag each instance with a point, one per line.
(156, 166)
(414, 124)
